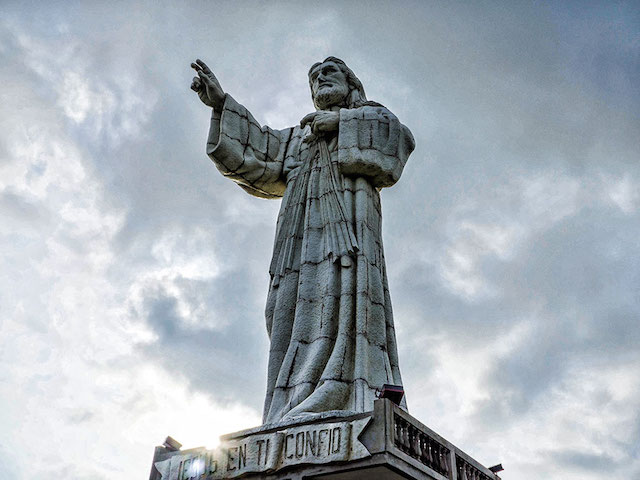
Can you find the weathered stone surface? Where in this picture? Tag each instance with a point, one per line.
(384, 444)
(328, 311)
(319, 443)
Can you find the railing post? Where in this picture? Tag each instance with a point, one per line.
(453, 464)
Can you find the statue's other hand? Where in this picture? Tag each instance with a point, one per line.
(321, 121)
(206, 85)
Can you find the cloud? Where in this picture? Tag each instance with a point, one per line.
(136, 275)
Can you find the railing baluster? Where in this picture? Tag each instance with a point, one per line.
(466, 471)
(419, 445)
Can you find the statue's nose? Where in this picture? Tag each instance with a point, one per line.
(323, 81)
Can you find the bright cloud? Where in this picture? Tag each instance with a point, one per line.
(135, 276)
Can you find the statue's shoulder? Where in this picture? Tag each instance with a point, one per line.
(370, 103)
(369, 108)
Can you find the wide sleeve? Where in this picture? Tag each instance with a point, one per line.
(373, 143)
(250, 155)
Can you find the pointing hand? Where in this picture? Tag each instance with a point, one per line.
(206, 85)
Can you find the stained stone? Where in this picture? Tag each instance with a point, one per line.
(328, 313)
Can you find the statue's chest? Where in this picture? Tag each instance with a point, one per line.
(300, 152)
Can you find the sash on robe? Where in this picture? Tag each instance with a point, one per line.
(338, 238)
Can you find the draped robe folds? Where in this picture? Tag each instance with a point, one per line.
(328, 310)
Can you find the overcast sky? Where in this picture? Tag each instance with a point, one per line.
(134, 276)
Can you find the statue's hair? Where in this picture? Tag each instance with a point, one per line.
(356, 96)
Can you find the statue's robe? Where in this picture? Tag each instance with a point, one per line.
(328, 310)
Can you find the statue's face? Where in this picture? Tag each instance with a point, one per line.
(329, 85)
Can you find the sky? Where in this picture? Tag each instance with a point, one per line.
(134, 276)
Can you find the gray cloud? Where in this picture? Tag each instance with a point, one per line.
(511, 240)
(584, 461)
(225, 362)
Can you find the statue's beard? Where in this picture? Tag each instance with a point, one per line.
(331, 97)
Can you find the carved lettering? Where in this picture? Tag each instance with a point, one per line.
(212, 463)
(311, 442)
(266, 454)
(188, 468)
(286, 445)
(321, 441)
(196, 467)
(316, 443)
(300, 445)
(336, 440)
(181, 471)
(231, 460)
(242, 456)
(260, 442)
(184, 474)
(271, 452)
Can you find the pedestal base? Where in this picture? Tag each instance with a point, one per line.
(386, 444)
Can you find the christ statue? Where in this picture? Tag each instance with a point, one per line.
(328, 313)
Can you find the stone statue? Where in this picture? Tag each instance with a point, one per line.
(328, 310)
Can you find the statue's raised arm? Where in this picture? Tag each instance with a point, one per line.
(243, 151)
(328, 311)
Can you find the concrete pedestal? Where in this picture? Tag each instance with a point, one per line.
(386, 444)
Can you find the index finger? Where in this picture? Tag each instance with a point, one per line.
(307, 119)
(205, 69)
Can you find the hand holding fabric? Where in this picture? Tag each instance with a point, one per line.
(321, 121)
